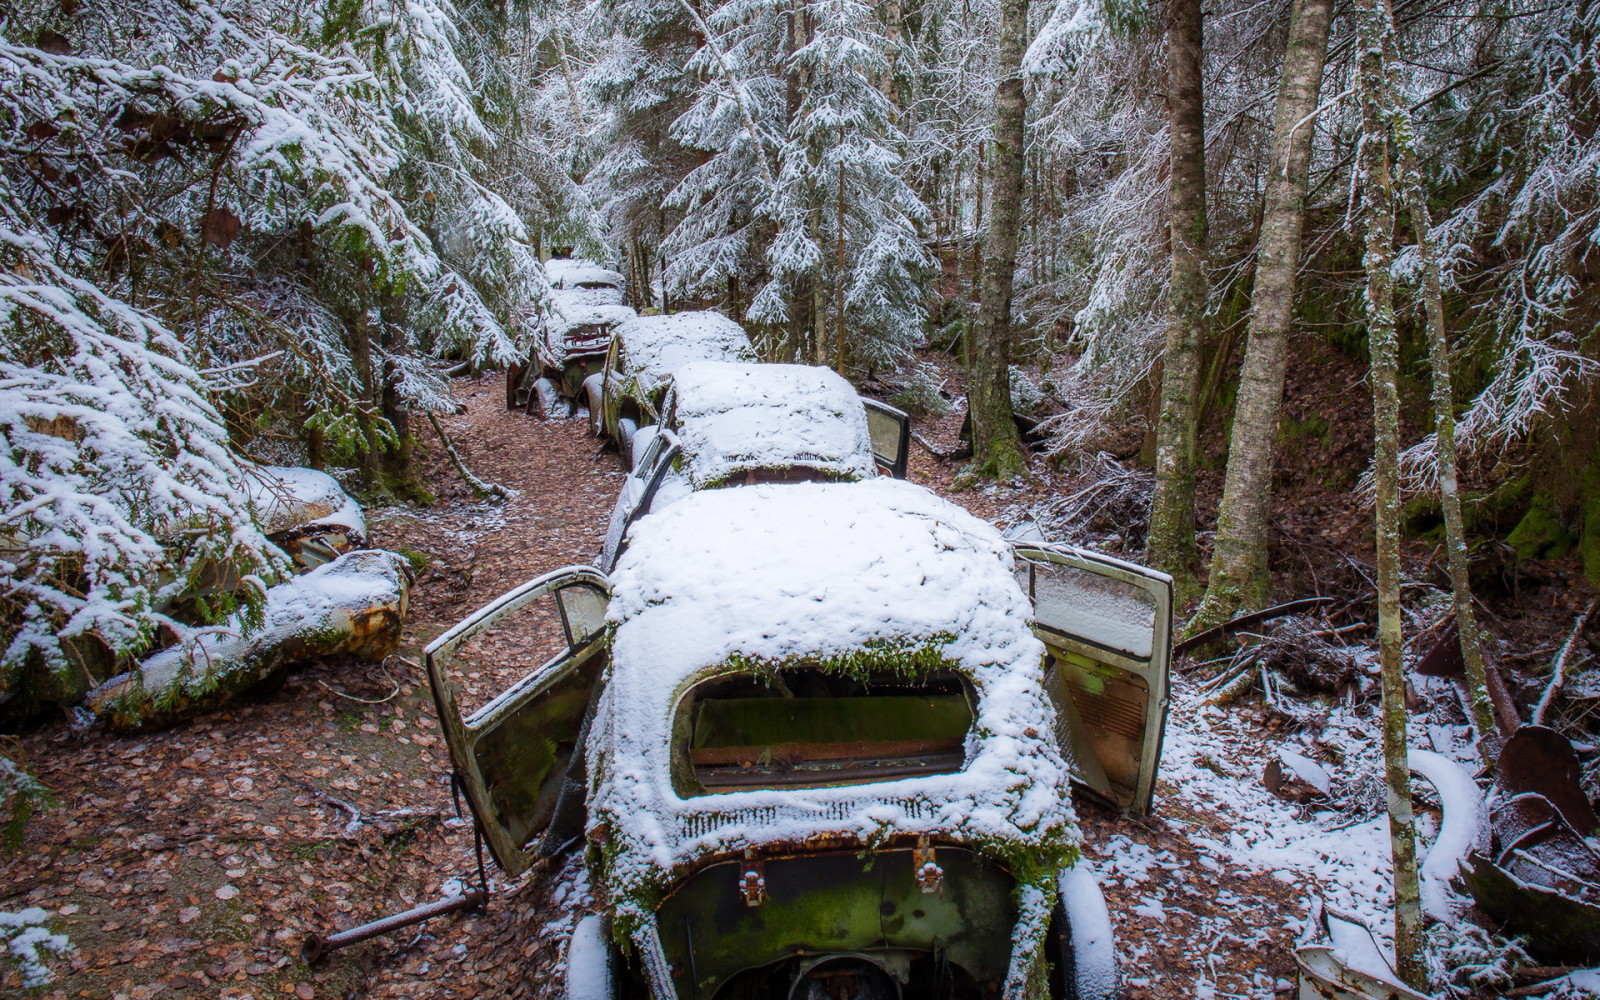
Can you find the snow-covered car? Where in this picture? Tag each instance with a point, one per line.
(819, 743)
(571, 347)
(626, 394)
(594, 284)
(726, 423)
(305, 513)
(588, 302)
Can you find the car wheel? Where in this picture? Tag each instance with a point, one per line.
(626, 429)
(544, 402)
(1080, 944)
(590, 975)
(595, 413)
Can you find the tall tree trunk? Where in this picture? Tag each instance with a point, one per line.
(1239, 561)
(1171, 542)
(1383, 346)
(996, 447)
(1414, 198)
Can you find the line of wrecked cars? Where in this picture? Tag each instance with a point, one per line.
(814, 727)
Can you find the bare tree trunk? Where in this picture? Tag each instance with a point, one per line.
(1171, 542)
(1383, 346)
(1415, 200)
(996, 447)
(1239, 562)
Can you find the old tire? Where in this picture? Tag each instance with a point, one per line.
(596, 415)
(1080, 943)
(544, 401)
(590, 972)
(626, 429)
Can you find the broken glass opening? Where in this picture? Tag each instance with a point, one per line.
(809, 728)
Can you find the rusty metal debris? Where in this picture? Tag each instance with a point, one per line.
(1340, 960)
(1541, 875)
(1445, 660)
(316, 947)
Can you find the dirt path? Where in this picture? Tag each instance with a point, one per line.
(189, 863)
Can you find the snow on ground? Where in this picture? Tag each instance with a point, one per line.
(27, 937)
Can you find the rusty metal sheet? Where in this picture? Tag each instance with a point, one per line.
(1444, 659)
(1539, 759)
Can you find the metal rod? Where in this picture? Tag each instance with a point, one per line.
(315, 947)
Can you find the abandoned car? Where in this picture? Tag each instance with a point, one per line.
(585, 280)
(626, 394)
(728, 423)
(571, 346)
(815, 747)
(571, 341)
(305, 513)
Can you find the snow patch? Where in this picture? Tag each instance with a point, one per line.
(26, 937)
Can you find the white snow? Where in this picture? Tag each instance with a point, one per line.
(568, 273)
(734, 417)
(288, 497)
(775, 573)
(1307, 770)
(589, 961)
(1093, 943)
(654, 347)
(26, 936)
(1463, 822)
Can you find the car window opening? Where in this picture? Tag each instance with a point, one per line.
(808, 728)
(788, 474)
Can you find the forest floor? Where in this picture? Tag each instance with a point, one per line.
(191, 862)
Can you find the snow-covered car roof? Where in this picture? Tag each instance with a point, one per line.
(726, 581)
(654, 347)
(289, 497)
(569, 273)
(569, 314)
(734, 416)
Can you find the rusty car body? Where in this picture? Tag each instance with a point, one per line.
(817, 740)
(729, 423)
(571, 341)
(626, 393)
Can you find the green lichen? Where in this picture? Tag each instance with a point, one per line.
(1541, 534)
(895, 655)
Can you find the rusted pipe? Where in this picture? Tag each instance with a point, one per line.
(315, 947)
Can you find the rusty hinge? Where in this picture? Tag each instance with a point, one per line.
(929, 876)
(752, 880)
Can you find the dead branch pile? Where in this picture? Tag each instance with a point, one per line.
(1291, 655)
(1111, 513)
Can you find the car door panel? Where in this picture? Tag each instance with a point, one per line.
(1107, 625)
(516, 754)
(639, 491)
(890, 430)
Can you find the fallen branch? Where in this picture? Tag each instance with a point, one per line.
(359, 818)
(480, 487)
(940, 453)
(1558, 672)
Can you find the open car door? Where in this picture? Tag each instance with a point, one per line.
(1108, 627)
(519, 757)
(890, 430)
